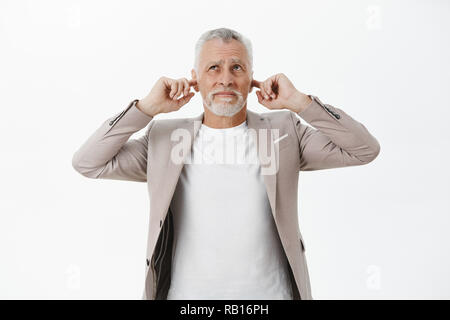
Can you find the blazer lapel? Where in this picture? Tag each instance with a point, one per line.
(264, 135)
(173, 168)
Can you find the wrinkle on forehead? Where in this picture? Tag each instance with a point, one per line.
(232, 60)
(218, 48)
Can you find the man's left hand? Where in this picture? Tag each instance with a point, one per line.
(278, 92)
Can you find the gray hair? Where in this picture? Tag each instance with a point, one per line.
(226, 35)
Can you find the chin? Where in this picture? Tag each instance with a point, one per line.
(225, 109)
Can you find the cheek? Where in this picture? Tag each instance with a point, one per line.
(245, 88)
(204, 92)
(203, 85)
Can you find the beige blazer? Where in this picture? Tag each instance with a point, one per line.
(333, 140)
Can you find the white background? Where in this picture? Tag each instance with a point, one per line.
(378, 231)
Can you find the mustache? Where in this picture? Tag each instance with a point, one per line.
(224, 89)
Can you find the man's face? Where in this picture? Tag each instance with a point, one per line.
(223, 67)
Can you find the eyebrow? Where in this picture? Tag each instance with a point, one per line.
(220, 62)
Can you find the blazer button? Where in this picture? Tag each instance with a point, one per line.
(148, 262)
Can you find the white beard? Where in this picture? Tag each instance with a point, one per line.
(225, 108)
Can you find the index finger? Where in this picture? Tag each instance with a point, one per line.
(192, 82)
(256, 84)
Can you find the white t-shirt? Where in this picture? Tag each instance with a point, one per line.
(226, 245)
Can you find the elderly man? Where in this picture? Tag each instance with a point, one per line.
(223, 211)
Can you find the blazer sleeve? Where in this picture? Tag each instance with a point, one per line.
(109, 154)
(334, 140)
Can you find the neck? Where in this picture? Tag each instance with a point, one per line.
(221, 122)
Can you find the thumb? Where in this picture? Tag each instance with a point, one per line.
(185, 99)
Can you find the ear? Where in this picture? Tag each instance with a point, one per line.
(251, 80)
(194, 77)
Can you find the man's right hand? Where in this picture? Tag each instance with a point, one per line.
(164, 95)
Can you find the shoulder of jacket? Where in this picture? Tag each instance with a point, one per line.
(279, 117)
(169, 123)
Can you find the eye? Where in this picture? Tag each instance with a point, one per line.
(212, 66)
(236, 65)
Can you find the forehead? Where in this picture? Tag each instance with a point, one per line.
(219, 51)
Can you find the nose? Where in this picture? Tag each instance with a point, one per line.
(226, 79)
